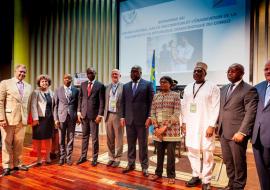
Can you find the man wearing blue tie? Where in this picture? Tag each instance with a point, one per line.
(135, 115)
(261, 131)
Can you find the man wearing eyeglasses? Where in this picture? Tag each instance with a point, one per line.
(200, 108)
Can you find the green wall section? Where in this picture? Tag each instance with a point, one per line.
(21, 39)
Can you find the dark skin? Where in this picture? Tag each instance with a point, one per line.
(199, 77)
(67, 83)
(135, 75)
(234, 74)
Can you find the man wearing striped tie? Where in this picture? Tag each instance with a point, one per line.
(261, 131)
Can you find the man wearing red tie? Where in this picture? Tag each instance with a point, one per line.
(14, 109)
(90, 112)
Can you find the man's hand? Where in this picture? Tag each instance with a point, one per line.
(183, 129)
(147, 122)
(79, 117)
(210, 131)
(57, 124)
(3, 123)
(98, 119)
(35, 123)
(122, 122)
(238, 137)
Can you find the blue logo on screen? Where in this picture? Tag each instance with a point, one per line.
(223, 3)
(129, 17)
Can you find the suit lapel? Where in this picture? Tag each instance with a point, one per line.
(264, 93)
(138, 89)
(235, 91)
(16, 90)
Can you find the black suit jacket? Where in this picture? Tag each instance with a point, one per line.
(93, 105)
(237, 113)
(136, 109)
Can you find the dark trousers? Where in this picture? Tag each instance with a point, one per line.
(89, 126)
(234, 157)
(161, 147)
(66, 129)
(262, 160)
(139, 132)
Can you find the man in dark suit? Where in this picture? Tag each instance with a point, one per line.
(136, 105)
(238, 104)
(90, 112)
(65, 117)
(261, 131)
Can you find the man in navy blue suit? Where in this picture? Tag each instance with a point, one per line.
(261, 131)
(136, 105)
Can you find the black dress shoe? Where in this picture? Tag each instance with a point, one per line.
(110, 162)
(193, 182)
(145, 172)
(206, 186)
(69, 162)
(115, 164)
(128, 169)
(94, 163)
(22, 167)
(227, 188)
(6, 172)
(81, 160)
(61, 162)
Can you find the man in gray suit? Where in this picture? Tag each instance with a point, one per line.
(90, 112)
(136, 105)
(261, 131)
(65, 116)
(238, 104)
(112, 116)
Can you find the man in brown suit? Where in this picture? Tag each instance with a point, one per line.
(14, 109)
(238, 104)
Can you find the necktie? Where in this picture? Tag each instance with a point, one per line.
(230, 90)
(114, 87)
(68, 93)
(267, 95)
(89, 88)
(20, 87)
(134, 88)
(47, 96)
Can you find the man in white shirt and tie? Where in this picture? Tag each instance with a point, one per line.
(14, 110)
(65, 116)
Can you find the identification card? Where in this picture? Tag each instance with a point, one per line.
(113, 104)
(193, 107)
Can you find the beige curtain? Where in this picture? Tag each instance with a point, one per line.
(71, 35)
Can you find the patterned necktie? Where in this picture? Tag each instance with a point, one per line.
(267, 95)
(68, 93)
(229, 92)
(134, 88)
(20, 87)
(114, 87)
(89, 88)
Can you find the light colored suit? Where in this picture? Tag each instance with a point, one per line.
(112, 120)
(14, 109)
(38, 104)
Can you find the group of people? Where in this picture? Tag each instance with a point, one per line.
(235, 113)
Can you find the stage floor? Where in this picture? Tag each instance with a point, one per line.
(85, 176)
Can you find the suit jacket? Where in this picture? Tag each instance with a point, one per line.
(94, 104)
(63, 106)
(262, 117)
(38, 104)
(118, 100)
(237, 113)
(136, 109)
(14, 108)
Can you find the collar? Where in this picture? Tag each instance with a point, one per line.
(17, 80)
(65, 87)
(138, 81)
(93, 81)
(237, 83)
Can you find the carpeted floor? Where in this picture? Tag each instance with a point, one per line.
(183, 169)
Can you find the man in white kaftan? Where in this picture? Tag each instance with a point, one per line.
(200, 109)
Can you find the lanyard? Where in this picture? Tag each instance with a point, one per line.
(114, 91)
(195, 93)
